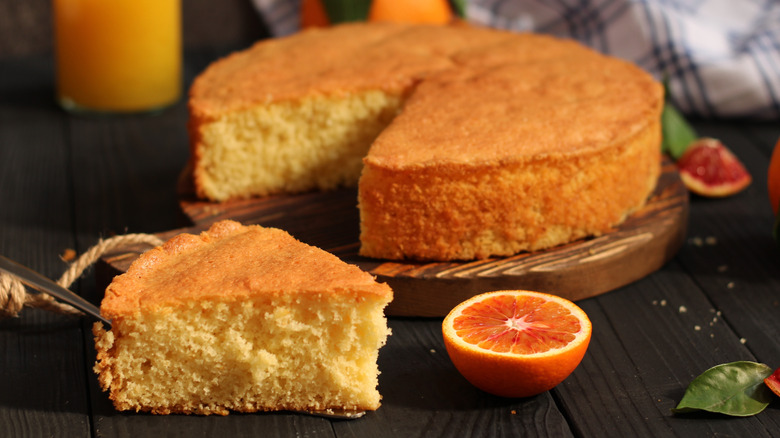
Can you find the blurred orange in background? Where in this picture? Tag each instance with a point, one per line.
(319, 13)
(411, 11)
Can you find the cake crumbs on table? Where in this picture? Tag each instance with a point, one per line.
(68, 255)
(708, 240)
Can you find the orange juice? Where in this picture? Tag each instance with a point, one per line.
(118, 55)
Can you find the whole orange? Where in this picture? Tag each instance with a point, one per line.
(516, 343)
(773, 180)
(411, 11)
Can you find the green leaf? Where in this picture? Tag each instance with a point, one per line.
(459, 7)
(340, 11)
(735, 388)
(677, 133)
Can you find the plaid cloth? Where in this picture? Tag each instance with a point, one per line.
(721, 58)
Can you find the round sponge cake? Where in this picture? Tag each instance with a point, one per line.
(465, 142)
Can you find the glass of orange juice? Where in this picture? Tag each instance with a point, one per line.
(117, 56)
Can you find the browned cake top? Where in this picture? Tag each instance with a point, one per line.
(232, 262)
(519, 111)
(506, 95)
(334, 61)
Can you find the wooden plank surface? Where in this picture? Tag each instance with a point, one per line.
(38, 348)
(732, 253)
(67, 181)
(652, 338)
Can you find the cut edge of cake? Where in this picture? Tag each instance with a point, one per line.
(211, 352)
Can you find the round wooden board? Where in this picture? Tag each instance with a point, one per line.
(582, 269)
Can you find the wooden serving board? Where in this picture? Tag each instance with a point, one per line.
(582, 269)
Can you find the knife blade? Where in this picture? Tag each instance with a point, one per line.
(41, 283)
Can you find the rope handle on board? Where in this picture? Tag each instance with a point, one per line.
(14, 296)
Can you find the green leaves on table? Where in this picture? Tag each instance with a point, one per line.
(735, 389)
(676, 132)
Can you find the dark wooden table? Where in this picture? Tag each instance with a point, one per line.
(66, 181)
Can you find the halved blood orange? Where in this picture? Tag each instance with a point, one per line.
(516, 343)
(773, 178)
(709, 168)
(773, 382)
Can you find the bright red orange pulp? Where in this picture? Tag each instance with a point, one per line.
(773, 178)
(773, 382)
(520, 325)
(516, 343)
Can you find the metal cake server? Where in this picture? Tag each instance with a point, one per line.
(43, 284)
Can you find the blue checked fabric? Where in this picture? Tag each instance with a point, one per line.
(721, 58)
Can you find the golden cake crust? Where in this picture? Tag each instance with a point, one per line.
(485, 115)
(336, 61)
(500, 210)
(233, 262)
(507, 165)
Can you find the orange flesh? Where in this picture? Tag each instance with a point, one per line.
(414, 11)
(518, 325)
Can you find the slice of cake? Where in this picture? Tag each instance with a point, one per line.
(241, 318)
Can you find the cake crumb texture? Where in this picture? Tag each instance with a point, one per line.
(241, 319)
